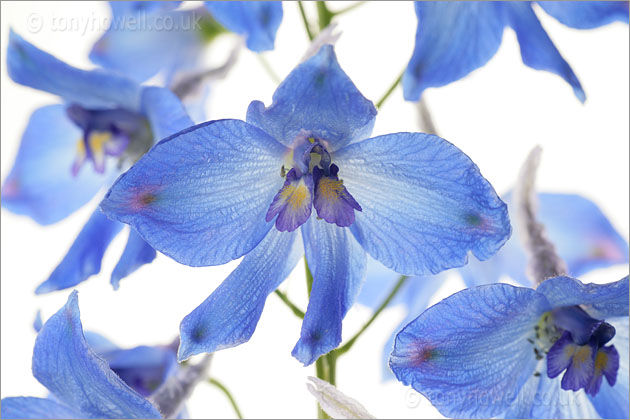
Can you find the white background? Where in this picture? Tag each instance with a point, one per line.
(496, 115)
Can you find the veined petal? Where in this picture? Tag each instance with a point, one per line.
(63, 363)
(85, 255)
(164, 111)
(537, 49)
(452, 39)
(293, 203)
(317, 97)
(201, 195)
(41, 184)
(228, 317)
(469, 354)
(337, 263)
(586, 14)
(599, 300)
(91, 89)
(258, 21)
(425, 204)
(136, 254)
(35, 408)
(157, 40)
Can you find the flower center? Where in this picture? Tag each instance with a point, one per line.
(109, 132)
(311, 181)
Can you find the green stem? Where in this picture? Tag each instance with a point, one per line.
(389, 91)
(228, 395)
(324, 15)
(305, 20)
(343, 349)
(321, 371)
(347, 9)
(309, 277)
(297, 311)
(331, 358)
(272, 74)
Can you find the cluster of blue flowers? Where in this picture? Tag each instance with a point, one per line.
(303, 177)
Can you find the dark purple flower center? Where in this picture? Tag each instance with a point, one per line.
(116, 132)
(312, 181)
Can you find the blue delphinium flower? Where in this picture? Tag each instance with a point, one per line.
(70, 151)
(228, 188)
(82, 384)
(584, 238)
(500, 350)
(160, 39)
(455, 38)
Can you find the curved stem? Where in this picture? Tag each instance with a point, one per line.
(297, 311)
(305, 20)
(347, 9)
(401, 281)
(324, 15)
(389, 91)
(228, 395)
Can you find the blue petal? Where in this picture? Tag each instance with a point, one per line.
(337, 263)
(586, 14)
(317, 97)
(164, 111)
(167, 41)
(228, 317)
(98, 343)
(35, 408)
(134, 8)
(452, 39)
(91, 89)
(471, 347)
(537, 49)
(37, 323)
(425, 204)
(40, 183)
(137, 253)
(599, 300)
(201, 196)
(612, 402)
(85, 255)
(258, 21)
(63, 363)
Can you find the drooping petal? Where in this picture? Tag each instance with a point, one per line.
(63, 363)
(169, 41)
(560, 355)
(257, 21)
(337, 263)
(332, 200)
(35, 408)
(91, 89)
(317, 97)
(469, 346)
(228, 317)
(201, 195)
(137, 253)
(537, 49)
(84, 256)
(425, 204)
(164, 111)
(599, 300)
(452, 39)
(40, 184)
(586, 14)
(606, 366)
(293, 203)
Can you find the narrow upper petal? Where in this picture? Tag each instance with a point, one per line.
(136, 254)
(537, 49)
(258, 21)
(201, 195)
(85, 255)
(168, 41)
(452, 39)
(317, 97)
(586, 14)
(64, 363)
(228, 317)
(599, 300)
(424, 203)
(35, 408)
(165, 112)
(337, 263)
(40, 184)
(91, 89)
(471, 347)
